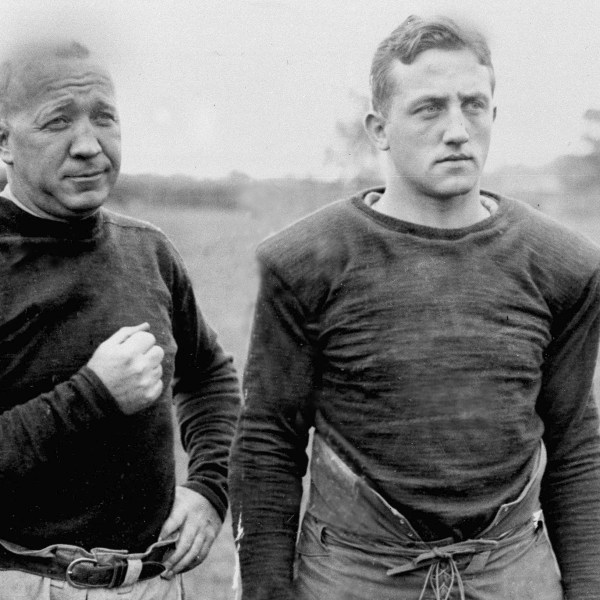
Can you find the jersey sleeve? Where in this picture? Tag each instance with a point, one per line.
(269, 458)
(206, 394)
(31, 432)
(571, 487)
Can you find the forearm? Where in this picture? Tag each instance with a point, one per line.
(269, 454)
(266, 491)
(30, 432)
(570, 499)
(571, 488)
(207, 420)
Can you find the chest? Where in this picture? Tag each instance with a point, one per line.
(56, 308)
(438, 312)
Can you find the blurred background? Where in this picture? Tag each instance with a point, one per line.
(243, 116)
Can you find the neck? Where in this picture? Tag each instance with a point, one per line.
(442, 212)
(21, 201)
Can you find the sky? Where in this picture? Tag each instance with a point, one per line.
(207, 87)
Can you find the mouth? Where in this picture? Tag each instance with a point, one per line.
(91, 174)
(455, 158)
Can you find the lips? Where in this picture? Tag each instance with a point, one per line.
(85, 175)
(455, 158)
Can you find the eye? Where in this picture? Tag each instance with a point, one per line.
(430, 110)
(57, 123)
(476, 105)
(105, 118)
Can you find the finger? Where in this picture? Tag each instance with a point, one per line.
(192, 558)
(156, 373)
(155, 356)
(155, 391)
(187, 536)
(206, 546)
(187, 551)
(126, 332)
(140, 342)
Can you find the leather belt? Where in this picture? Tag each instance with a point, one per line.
(100, 568)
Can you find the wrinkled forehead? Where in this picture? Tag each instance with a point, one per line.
(37, 79)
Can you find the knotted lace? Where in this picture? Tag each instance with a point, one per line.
(440, 560)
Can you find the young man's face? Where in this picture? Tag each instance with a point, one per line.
(62, 145)
(439, 122)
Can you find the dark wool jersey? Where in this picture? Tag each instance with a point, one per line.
(73, 468)
(436, 360)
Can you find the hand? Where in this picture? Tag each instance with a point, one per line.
(129, 365)
(198, 524)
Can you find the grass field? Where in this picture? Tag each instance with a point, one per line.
(218, 248)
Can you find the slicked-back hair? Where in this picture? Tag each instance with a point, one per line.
(27, 54)
(414, 36)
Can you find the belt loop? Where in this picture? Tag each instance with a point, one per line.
(134, 570)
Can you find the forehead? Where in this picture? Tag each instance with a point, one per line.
(441, 72)
(48, 79)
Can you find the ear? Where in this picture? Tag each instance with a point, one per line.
(375, 127)
(5, 153)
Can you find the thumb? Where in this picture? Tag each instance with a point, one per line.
(125, 333)
(172, 524)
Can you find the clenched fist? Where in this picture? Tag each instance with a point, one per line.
(129, 365)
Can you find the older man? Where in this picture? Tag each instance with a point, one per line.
(99, 331)
(442, 341)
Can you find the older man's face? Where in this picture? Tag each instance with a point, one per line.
(62, 144)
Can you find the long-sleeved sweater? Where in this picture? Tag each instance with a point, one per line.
(73, 468)
(440, 358)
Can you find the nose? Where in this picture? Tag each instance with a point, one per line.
(456, 131)
(85, 142)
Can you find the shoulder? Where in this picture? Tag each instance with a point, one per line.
(325, 236)
(120, 221)
(131, 230)
(132, 235)
(555, 245)
(309, 256)
(564, 264)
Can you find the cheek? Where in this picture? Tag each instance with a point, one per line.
(482, 137)
(111, 146)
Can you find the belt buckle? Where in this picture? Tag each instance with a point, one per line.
(69, 573)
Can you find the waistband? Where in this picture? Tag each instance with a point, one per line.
(346, 501)
(97, 568)
(353, 510)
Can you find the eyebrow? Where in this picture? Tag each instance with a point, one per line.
(443, 99)
(67, 103)
(426, 99)
(47, 111)
(475, 96)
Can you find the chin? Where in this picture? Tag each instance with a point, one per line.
(85, 203)
(457, 187)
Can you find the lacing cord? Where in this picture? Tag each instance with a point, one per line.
(437, 570)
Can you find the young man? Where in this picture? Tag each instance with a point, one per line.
(99, 332)
(442, 341)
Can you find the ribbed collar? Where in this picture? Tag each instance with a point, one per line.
(426, 231)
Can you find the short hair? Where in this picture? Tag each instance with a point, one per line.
(414, 36)
(25, 56)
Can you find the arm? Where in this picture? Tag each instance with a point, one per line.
(207, 403)
(31, 431)
(571, 487)
(122, 376)
(207, 400)
(268, 457)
